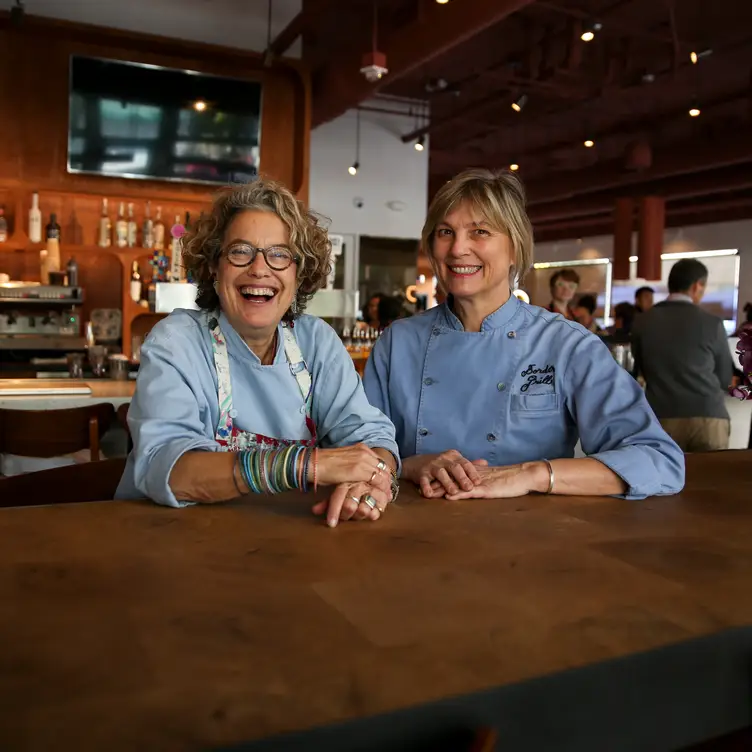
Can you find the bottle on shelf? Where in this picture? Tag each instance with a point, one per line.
(71, 269)
(159, 231)
(3, 225)
(176, 251)
(35, 220)
(52, 235)
(132, 233)
(147, 231)
(135, 283)
(121, 228)
(104, 236)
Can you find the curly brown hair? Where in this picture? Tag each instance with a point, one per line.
(202, 245)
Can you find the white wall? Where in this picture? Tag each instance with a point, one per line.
(711, 237)
(391, 173)
(229, 23)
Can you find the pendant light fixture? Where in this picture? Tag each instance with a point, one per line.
(353, 168)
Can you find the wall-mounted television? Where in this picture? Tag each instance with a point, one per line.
(143, 121)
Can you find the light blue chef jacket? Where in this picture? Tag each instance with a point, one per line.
(525, 387)
(175, 407)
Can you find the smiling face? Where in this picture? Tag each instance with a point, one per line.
(256, 297)
(471, 258)
(563, 290)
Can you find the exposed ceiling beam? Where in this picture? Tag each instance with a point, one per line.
(286, 38)
(341, 85)
(688, 157)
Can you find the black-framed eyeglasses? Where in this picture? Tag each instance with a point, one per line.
(277, 257)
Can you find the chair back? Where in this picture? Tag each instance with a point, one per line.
(52, 433)
(86, 481)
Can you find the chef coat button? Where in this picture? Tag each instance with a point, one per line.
(428, 381)
(511, 335)
(233, 413)
(437, 331)
(423, 432)
(491, 437)
(501, 386)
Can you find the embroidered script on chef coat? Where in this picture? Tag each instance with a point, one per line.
(536, 376)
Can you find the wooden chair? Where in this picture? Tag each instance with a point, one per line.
(52, 433)
(122, 416)
(87, 481)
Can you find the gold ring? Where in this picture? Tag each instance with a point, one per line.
(368, 499)
(375, 473)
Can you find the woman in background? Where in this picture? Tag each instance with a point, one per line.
(370, 312)
(563, 285)
(489, 395)
(237, 397)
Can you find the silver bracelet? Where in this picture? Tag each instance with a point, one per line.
(550, 476)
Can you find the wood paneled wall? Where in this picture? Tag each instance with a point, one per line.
(34, 85)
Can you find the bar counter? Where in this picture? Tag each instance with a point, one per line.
(49, 394)
(567, 623)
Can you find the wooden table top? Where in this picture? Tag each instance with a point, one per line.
(131, 626)
(97, 388)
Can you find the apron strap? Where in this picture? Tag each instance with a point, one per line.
(224, 386)
(298, 366)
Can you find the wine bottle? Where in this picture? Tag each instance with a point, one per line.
(159, 231)
(35, 220)
(104, 236)
(147, 231)
(132, 234)
(52, 234)
(121, 228)
(135, 283)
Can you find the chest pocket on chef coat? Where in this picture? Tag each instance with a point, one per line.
(534, 405)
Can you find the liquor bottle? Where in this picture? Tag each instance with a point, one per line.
(132, 228)
(176, 250)
(104, 236)
(121, 228)
(35, 220)
(159, 231)
(52, 234)
(3, 225)
(147, 231)
(135, 283)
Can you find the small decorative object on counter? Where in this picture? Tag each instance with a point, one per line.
(118, 367)
(35, 220)
(744, 351)
(3, 225)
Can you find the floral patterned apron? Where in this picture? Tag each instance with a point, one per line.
(228, 435)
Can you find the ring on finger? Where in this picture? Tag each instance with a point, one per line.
(368, 499)
(375, 473)
(381, 466)
(355, 499)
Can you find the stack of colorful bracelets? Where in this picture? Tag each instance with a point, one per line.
(277, 470)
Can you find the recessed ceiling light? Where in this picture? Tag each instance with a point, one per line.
(514, 167)
(442, 2)
(589, 143)
(199, 105)
(694, 112)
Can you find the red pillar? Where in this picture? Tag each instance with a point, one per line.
(623, 226)
(650, 237)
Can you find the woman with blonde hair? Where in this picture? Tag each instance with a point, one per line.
(237, 397)
(489, 395)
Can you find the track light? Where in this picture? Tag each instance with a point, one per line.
(442, 2)
(514, 167)
(589, 143)
(353, 168)
(694, 112)
(420, 144)
(695, 57)
(588, 32)
(519, 103)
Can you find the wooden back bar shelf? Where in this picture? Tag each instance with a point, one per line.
(34, 145)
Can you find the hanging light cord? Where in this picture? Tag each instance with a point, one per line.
(269, 26)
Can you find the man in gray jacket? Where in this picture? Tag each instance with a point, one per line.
(683, 354)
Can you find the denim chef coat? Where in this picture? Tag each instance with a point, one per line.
(175, 407)
(525, 387)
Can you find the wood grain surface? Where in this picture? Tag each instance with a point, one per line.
(130, 626)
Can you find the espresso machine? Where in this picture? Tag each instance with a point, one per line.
(39, 325)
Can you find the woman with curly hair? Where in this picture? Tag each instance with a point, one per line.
(236, 398)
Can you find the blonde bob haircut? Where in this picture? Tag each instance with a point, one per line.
(309, 240)
(499, 196)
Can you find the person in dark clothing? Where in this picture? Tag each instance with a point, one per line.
(683, 354)
(390, 309)
(643, 299)
(584, 313)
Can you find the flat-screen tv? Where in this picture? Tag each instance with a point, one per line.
(143, 121)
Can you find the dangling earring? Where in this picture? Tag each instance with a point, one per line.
(215, 285)
(294, 306)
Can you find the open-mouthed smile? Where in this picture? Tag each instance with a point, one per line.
(257, 294)
(463, 271)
